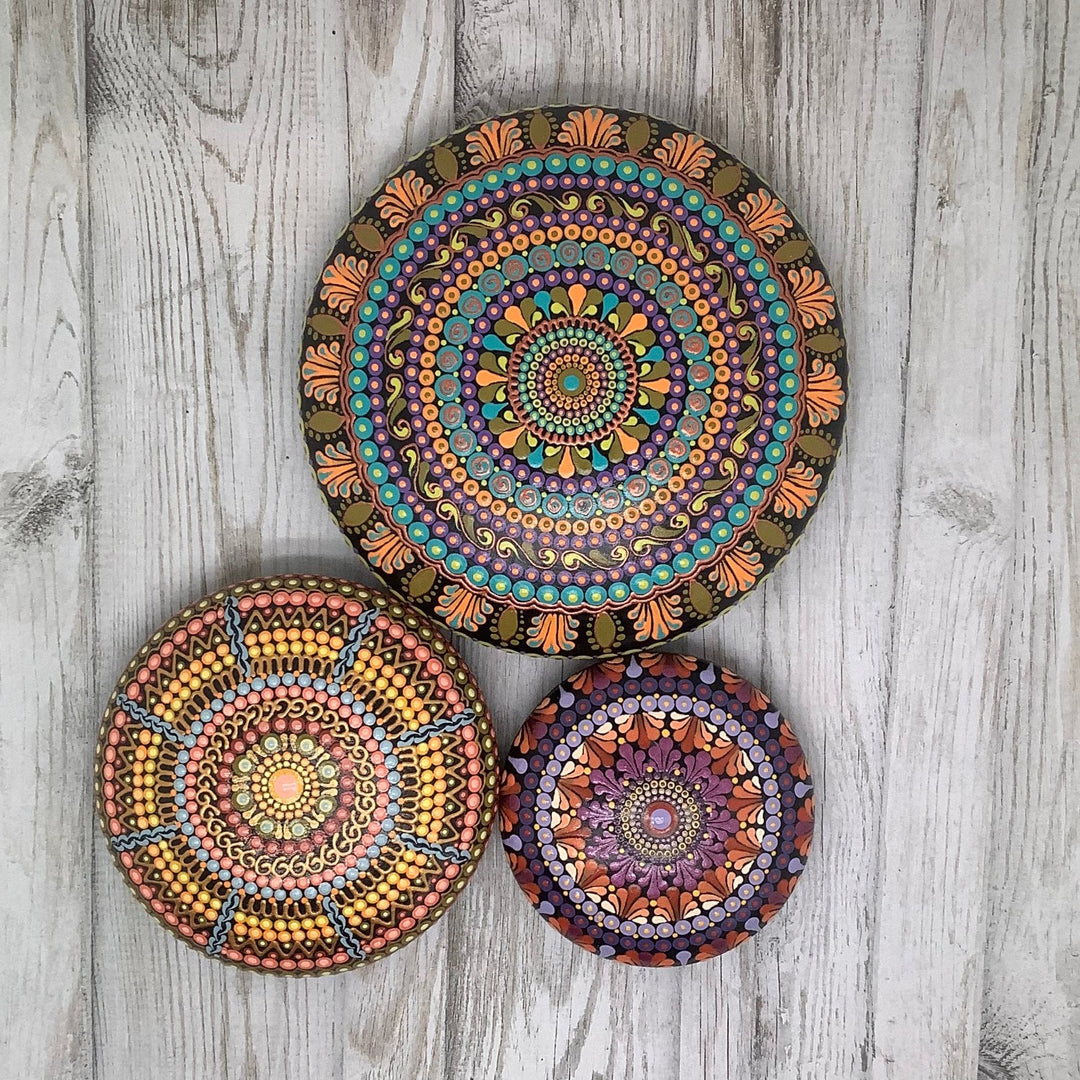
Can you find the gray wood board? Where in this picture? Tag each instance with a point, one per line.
(174, 176)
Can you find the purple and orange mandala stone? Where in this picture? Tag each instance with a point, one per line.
(573, 380)
(297, 775)
(656, 809)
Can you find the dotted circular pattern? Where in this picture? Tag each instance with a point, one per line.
(656, 809)
(573, 380)
(297, 775)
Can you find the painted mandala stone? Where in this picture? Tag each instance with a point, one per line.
(297, 775)
(656, 809)
(573, 381)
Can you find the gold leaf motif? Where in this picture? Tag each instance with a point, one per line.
(367, 236)
(508, 624)
(638, 135)
(824, 343)
(539, 135)
(325, 422)
(727, 179)
(816, 447)
(701, 600)
(770, 534)
(791, 251)
(357, 514)
(604, 630)
(445, 162)
(326, 325)
(422, 581)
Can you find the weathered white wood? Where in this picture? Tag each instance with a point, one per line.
(228, 146)
(1031, 975)
(46, 738)
(921, 637)
(961, 505)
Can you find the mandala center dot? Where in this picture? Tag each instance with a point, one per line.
(286, 786)
(571, 382)
(660, 819)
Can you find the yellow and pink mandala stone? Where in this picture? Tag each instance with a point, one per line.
(573, 380)
(297, 775)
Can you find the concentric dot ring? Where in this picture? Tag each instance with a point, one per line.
(573, 380)
(296, 775)
(656, 809)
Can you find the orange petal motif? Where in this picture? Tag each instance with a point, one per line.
(495, 139)
(386, 550)
(824, 393)
(747, 803)
(590, 127)
(656, 619)
(593, 879)
(813, 295)
(342, 281)
(519, 867)
(553, 632)
(628, 903)
(462, 608)
(569, 836)
(690, 732)
(743, 689)
(743, 850)
(718, 884)
(798, 491)
(586, 679)
(676, 904)
(401, 197)
(337, 470)
(765, 215)
(322, 371)
(738, 569)
(571, 788)
(686, 154)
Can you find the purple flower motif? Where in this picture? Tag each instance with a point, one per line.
(653, 863)
(628, 870)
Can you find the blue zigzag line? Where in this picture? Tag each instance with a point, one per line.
(437, 727)
(344, 930)
(132, 840)
(437, 851)
(236, 635)
(223, 924)
(148, 719)
(347, 656)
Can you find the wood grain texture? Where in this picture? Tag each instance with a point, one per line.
(962, 563)
(164, 240)
(45, 651)
(1031, 978)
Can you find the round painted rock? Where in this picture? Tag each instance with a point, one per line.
(572, 380)
(297, 775)
(656, 809)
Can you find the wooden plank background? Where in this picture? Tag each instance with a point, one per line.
(173, 173)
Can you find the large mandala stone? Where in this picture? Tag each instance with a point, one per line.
(656, 809)
(297, 775)
(573, 380)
